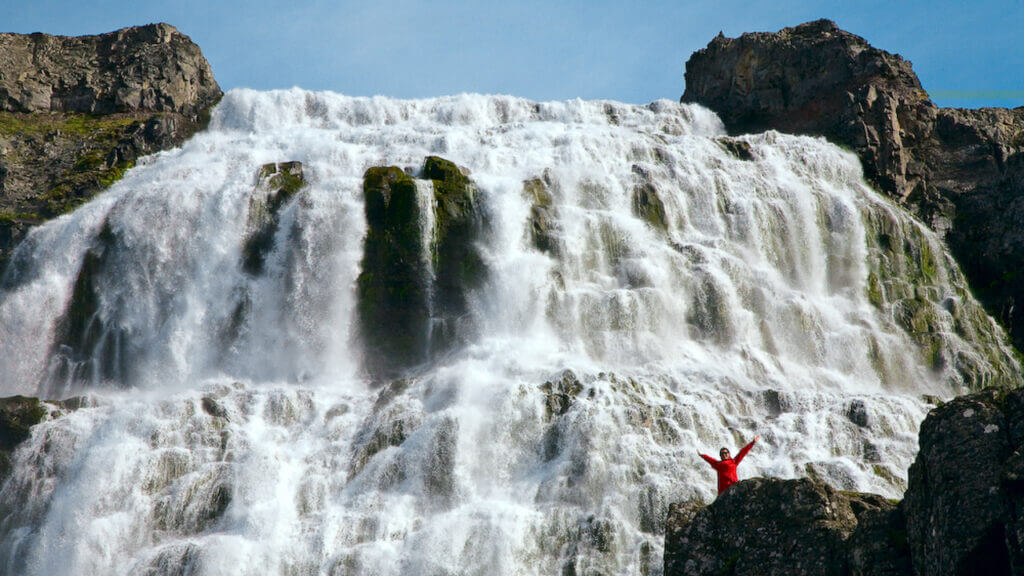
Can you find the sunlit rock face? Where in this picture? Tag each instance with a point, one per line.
(602, 290)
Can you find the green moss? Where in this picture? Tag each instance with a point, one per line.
(78, 186)
(7, 217)
(648, 206)
(537, 191)
(875, 295)
(458, 266)
(80, 125)
(392, 287)
(927, 259)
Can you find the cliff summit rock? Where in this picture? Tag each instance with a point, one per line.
(153, 68)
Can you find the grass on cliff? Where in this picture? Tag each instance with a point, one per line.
(94, 137)
(97, 128)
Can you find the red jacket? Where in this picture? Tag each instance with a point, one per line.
(727, 468)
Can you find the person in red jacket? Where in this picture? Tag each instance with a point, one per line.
(726, 467)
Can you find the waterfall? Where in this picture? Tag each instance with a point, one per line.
(652, 288)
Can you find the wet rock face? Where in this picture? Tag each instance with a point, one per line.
(84, 348)
(961, 171)
(277, 183)
(771, 526)
(457, 264)
(415, 283)
(393, 286)
(154, 68)
(18, 414)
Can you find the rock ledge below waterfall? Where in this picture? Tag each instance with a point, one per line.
(960, 515)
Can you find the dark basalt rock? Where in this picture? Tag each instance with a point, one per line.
(84, 349)
(961, 514)
(458, 265)
(543, 214)
(963, 497)
(647, 204)
(560, 393)
(393, 287)
(77, 112)
(786, 527)
(738, 148)
(413, 297)
(961, 171)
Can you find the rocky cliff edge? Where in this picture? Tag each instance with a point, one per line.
(77, 112)
(961, 171)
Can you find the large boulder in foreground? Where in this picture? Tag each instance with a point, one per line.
(962, 514)
(767, 526)
(961, 171)
(965, 492)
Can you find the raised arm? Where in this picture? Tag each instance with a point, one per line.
(710, 460)
(739, 457)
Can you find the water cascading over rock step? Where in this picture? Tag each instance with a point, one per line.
(423, 369)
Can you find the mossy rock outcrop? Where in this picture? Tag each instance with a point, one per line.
(909, 279)
(393, 287)
(543, 213)
(414, 286)
(647, 204)
(18, 414)
(458, 266)
(276, 184)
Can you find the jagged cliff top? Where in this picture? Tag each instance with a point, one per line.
(152, 68)
(784, 79)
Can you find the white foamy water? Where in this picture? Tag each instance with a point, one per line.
(775, 302)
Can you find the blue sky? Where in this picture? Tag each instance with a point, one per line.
(966, 54)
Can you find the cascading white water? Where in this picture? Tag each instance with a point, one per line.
(767, 305)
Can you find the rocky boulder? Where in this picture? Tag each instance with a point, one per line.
(961, 514)
(966, 487)
(770, 526)
(961, 171)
